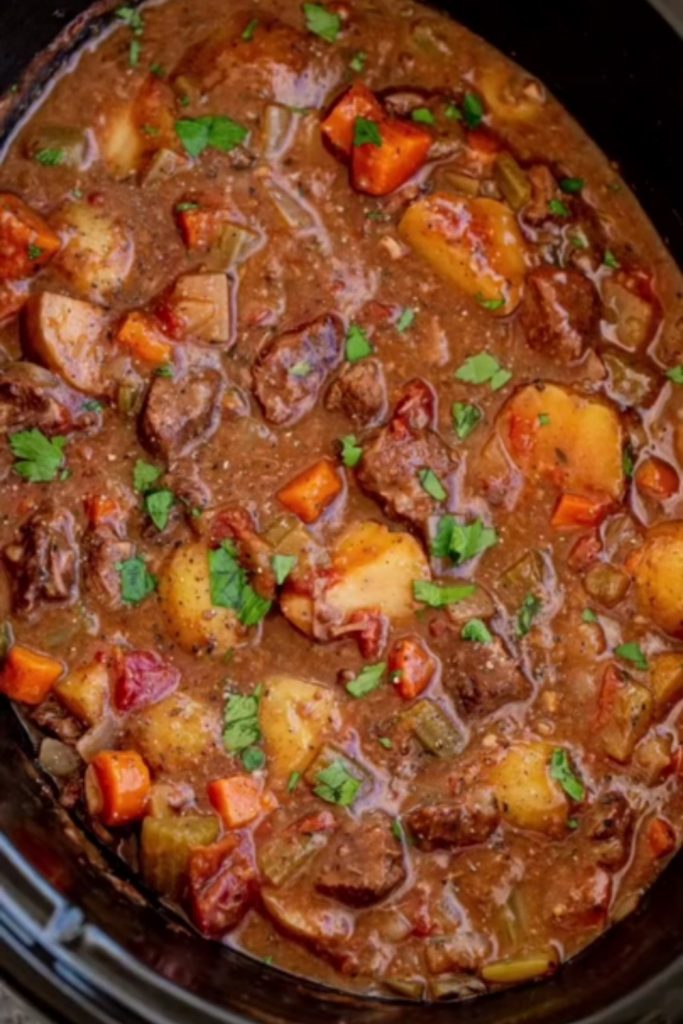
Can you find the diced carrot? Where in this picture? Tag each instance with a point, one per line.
(339, 125)
(237, 799)
(101, 508)
(379, 170)
(202, 228)
(661, 837)
(117, 786)
(28, 676)
(575, 510)
(140, 333)
(656, 479)
(27, 242)
(411, 667)
(309, 493)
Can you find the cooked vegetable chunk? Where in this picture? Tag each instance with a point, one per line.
(27, 243)
(294, 717)
(166, 847)
(68, 336)
(658, 572)
(527, 794)
(85, 692)
(175, 732)
(98, 253)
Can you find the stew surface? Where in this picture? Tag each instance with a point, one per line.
(341, 394)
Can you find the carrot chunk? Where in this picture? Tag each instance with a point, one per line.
(140, 333)
(575, 510)
(379, 170)
(27, 242)
(661, 837)
(237, 800)
(338, 127)
(411, 667)
(309, 493)
(29, 676)
(117, 786)
(656, 479)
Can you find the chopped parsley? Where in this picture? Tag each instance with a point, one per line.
(432, 485)
(322, 22)
(491, 304)
(253, 758)
(438, 595)
(572, 186)
(453, 112)
(134, 52)
(150, 130)
(336, 785)
(579, 242)
(531, 606)
(351, 452)
(39, 459)
(476, 631)
(164, 371)
(158, 505)
(632, 652)
(293, 781)
(248, 33)
(473, 110)
(34, 252)
(423, 115)
(398, 830)
(367, 680)
(158, 70)
(230, 587)
(132, 18)
(461, 541)
(137, 582)
(50, 157)
(200, 133)
(186, 207)
(366, 132)
(282, 567)
(675, 375)
(357, 62)
(465, 418)
(241, 728)
(384, 741)
(145, 475)
(558, 208)
(628, 463)
(543, 419)
(406, 320)
(561, 771)
(610, 260)
(483, 369)
(92, 405)
(588, 615)
(357, 344)
(301, 369)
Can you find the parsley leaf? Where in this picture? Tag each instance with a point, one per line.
(159, 70)
(134, 52)
(230, 587)
(39, 458)
(351, 452)
(438, 595)
(158, 505)
(579, 241)
(572, 185)
(561, 771)
(588, 615)
(253, 758)
(200, 133)
(336, 785)
(558, 208)
(366, 132)
(322, 22)
(248, 33)
(357, 344)
(465, 418)
(282, 566)
(132, 18)
(50, 157)
(301, 369)
(34, 252)
(164, 371)
(453, 112)
(675, 375)
(385, 741)
(293, 781)
(137, 582)
(531, 606)
(357, 62)
(473, 110)
(406, 320)
(367, 680)
(241, 721)
(432, 485)
(491, 304)
(476, 631)
(461, 541)
(610, 260)
(92, 405)
(145, 475)
(398, 830)
(423, 115)
(543, 419)
(632, 652)
(483, 369)
(628, 462)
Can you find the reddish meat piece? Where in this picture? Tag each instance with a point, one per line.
(560, 312)
(44, 561)
(609, 824)
(363, 863)
(105, 549)
(393, 458)
(577, 895)
(223, 883)
(469, 818)
(291, 369)
(31, 396)
(360, 392)
(142, 678)
(181, 412)
(483, 677)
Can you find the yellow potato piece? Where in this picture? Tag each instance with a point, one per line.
(120, 141)
(666, 677)
(85, 692)
(99, 251)
(473, 243)
(175, 734)
(658, 574)
(574, 442)
(294, 716)
(185, 593)
(528, 796)
(67, 336)
(201, 302)
(510, 93)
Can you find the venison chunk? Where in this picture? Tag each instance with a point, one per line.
(363, 863)
(44, 562)
(560, 312)
(359, 392)
(181, 413)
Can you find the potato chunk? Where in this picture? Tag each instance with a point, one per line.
(85, 692)
(200, 302)
(294, 716)
(510, 93)
(66, 335)
(555, 434)
(473, 243)
(667, 678)
(176, 733)
(528, 796)
(185, 592)
(98, 255)
(658, 570)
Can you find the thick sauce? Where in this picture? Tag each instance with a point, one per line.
(341, 491)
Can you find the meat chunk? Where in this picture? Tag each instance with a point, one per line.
(543, 189)
(483, 677)
(609, 824)
(360, 392)
(467, 819)
(105, 549)
(291, 369)
(181, 413)
(363, 863)
(393, 458)
(560, 312)
(31, 396)
(44, 561)
(577, 896)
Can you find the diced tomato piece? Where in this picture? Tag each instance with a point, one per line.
(416, 409)
(323, 821)
(142, 678)
(575, 510)
(661, 837)
(223, 883)
(339, 125)
(309, 493)
(117, 786)
(28, 676)
(27, 242)
(237, 799)
(101, 509)
(585, 551)
(485, 144)
(411, 667)
(143, 336)
(657, 479)
(379, 170)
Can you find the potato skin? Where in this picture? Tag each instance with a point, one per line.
(658, 574)
(528, 796)
(98, 253)
(294, 716)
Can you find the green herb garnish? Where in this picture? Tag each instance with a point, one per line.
(145, 475)
(322, 22)
(357, 62)
(438, 595)
(137, 582)
(282, 567)
(476, 631)
(230, 587)
(357, 344)
(588, 615)
(241, 728)
(366, 132)
(561, 771)
(531, 606)
(248, 33)
(632, 652)
(50, 157)
(200, 133)
(351, 452)
(406, 320)
(572, 186)
(610, 260)
(423, 115)
(367, 680)
(461, 541)
(473, 110)
(336, 785)
(558, 208)
(158, 505)
(39, 459)
(432, 485)
(483, 369)
(465, 418)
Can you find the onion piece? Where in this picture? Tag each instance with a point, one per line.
(57, 758)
